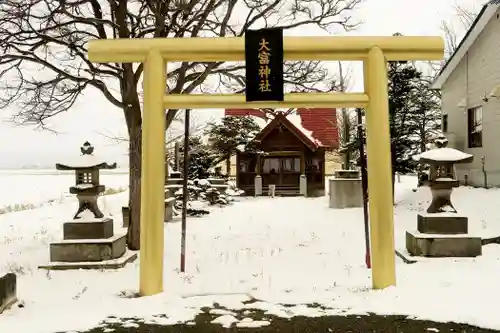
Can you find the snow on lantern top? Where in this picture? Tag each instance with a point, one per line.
(442, 154)
(87, 160)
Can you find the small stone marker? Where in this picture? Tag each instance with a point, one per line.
(8, 291)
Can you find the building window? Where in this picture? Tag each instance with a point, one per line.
(271, 165)
(296, 165)
(445, 123)
(244, 166)
(475, 127)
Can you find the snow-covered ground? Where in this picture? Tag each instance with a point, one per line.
(278, 251)
(36, 187)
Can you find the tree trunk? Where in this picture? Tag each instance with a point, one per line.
(420, 167)
(228, 165)
(347, 138)
(135, 149)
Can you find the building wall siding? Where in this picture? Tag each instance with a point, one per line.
(473, 79)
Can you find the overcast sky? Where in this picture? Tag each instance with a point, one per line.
(93, 116)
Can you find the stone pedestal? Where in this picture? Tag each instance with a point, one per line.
(442, 235)
(94, 229)
(217, 181)
(169, 209)
(303, 185)
(352, 174)
(89, 243)
(175, 175)
(442, 223)
(78, 250)
(258, 185)
(8, 291)
(222, 188)
(345, 193)
(171, 189)
(175, 181)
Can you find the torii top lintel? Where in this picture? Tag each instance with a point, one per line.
(210, 49)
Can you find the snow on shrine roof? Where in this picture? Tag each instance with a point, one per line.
(318, 125)
(322, 122)
(444, 155)
(296, 120)
(261, 122)
(85, 162)
(295, 126)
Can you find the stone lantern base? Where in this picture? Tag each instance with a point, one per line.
(442, 235)
(345, 190)
(91, 244)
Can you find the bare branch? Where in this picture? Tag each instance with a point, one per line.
(44, 66)
(452, 37)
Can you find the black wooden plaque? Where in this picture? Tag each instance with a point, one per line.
(264, 65)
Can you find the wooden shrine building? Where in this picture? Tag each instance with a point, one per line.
(281, 154)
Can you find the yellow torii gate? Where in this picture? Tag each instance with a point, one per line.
(155, 53)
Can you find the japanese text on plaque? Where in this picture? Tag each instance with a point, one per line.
(264, 70)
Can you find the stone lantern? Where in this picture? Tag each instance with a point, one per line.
(89, 240)
(87, 187)
(442, 232)
(442, 177)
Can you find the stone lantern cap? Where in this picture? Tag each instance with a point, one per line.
(443, 155)
(87, 160)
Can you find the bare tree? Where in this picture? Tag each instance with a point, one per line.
(452, 37)
(452, 40)
(425, 120)
(466, 16)
(44, 65)
(346, 120)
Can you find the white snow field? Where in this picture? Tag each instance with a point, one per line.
(36, 187)
(278, 251)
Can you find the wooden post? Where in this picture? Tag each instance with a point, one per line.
(364, 185)
(303, 178)
(185, 191)
(177, 157)
(303, 163)
(257, 180)
(257, 166)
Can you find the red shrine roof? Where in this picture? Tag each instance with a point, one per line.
(323, 125)
(319, 125)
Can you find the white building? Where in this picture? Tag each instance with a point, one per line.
(470, 85)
